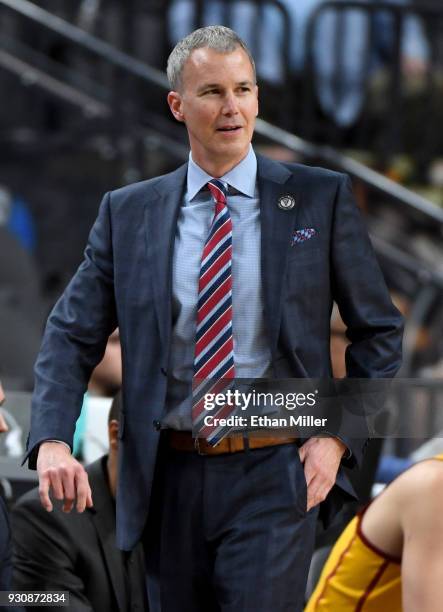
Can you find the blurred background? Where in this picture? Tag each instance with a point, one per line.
(353, 86)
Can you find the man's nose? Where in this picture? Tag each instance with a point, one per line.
(230, 106)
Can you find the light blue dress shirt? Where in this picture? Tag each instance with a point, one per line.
(252, 355)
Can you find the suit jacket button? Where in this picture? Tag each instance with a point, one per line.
(157, 425)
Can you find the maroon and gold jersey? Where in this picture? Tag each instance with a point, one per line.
(358, 576)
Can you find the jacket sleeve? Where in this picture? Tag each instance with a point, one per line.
(74, 340)
(374, 325)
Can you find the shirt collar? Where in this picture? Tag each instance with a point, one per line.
(242, 176)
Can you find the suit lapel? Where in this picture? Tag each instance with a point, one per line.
(161, 215)
(277, 226)
(103, 518)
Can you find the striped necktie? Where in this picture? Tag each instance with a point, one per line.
(214, 348)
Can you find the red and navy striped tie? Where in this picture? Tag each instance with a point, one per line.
(214, 348)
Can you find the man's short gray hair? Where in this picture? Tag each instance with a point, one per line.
(217, 37)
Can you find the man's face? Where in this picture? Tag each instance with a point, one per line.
(218, 102)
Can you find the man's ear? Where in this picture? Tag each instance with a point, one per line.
(175, 104)
(256, 93)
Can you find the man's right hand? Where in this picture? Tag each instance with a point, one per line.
(58, 470)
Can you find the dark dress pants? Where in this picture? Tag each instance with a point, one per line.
(229, 533)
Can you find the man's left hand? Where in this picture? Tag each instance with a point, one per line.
(321, 459)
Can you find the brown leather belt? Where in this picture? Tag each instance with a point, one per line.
(235, 443)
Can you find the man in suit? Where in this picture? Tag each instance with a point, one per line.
(77, 552)
(5, 534)
(231, 525)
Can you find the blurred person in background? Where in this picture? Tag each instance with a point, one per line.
(105, 382)
(106, 379)
(16, 217)
(390, 556)
(22, 313)
(75, 552)
(5, 535)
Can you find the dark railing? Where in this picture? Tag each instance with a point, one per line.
(427, 293)
(85, 40)
(107, 100)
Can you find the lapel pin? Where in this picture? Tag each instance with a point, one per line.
(286, 202)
